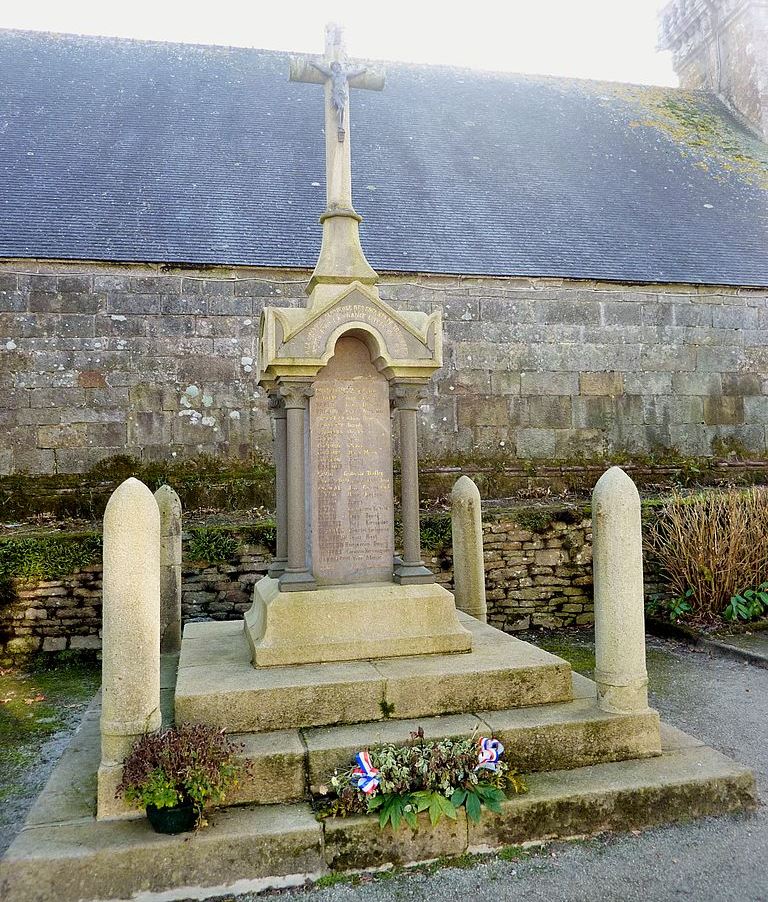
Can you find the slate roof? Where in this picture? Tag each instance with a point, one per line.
(137, 151)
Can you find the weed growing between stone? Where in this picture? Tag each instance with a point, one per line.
(47, 557)
(397, 783)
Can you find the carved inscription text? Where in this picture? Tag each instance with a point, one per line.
(351, 457)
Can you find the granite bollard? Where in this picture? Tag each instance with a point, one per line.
(131, 634)
(620, 673)
(467, 535)
(170, 568)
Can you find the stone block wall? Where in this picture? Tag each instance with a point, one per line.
(537, 574)
(98, 360)
(65, 614)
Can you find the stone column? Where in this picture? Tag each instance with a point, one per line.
(277, 410)
(620, 674)
(170, 569)
(297, 575)
(467, 536)
(407, 397)
(131, 634)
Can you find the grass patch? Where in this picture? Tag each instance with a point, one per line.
(333, 879)
(35, 558)
(580, 657)
(513, 853)
(35, 705)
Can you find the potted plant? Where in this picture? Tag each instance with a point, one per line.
(176, 773)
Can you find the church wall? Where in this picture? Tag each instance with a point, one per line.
(98, 360)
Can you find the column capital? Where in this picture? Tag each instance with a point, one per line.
(407, 395)
(295, 394)
(276, 404)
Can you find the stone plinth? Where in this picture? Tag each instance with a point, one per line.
(217, 684)
(351, 622)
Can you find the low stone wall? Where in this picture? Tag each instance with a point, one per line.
(537, 565)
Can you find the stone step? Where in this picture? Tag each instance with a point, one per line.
(217, 684)
(250, 848)
(285, 765)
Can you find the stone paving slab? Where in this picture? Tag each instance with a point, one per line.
(115, 860)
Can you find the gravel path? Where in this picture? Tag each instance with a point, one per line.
(724, 703)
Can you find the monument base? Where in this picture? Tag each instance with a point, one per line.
(351, 623)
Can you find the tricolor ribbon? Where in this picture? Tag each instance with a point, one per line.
(490, 752)
(366, 773)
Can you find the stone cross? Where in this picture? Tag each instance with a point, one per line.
(337, 75)
(341, 258)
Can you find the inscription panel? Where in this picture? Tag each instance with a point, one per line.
(351, 476)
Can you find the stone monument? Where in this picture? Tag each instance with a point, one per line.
(333, 370)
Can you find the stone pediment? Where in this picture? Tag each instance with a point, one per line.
(302, 341)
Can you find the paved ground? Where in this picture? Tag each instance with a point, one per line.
(756, 643)
(723, 702)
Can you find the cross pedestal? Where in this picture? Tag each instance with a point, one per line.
(335, 371)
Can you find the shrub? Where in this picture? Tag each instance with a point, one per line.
(709, 547)
(211, 545)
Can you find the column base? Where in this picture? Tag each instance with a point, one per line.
(413, 574)
(277, 568)
(301, 581)
(351, 623)
(621, 698)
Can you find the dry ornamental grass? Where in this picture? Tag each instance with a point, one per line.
(714, 544)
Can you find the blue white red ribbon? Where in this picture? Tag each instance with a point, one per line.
(366, 773)
(490, 752)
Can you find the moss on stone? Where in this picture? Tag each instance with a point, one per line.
(44, 557)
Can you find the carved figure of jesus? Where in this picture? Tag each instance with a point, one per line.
(339, 77)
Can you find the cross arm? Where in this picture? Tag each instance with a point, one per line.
(303, 68)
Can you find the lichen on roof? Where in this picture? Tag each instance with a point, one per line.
(702, 127)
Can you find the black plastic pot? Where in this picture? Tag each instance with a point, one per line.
(178, 819)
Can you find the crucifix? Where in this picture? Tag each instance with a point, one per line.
(337, 74)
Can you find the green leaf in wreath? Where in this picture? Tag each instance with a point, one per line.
(446, 806)
(473, 807)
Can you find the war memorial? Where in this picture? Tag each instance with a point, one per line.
(350, 643)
